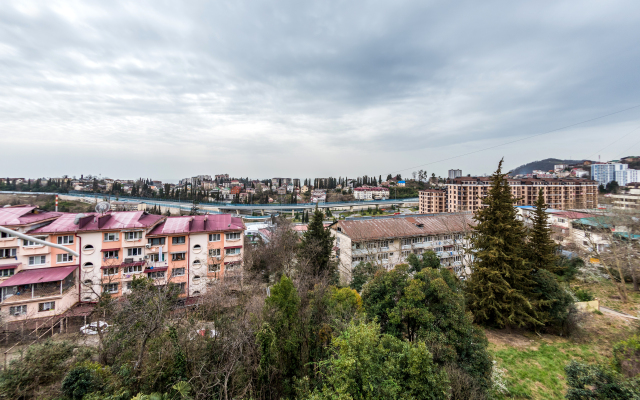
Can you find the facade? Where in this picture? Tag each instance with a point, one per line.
(432, 201)
(466, 193)
(605, 173)
(455, 173)
(626, 201)
(389, 240)
(371, 193)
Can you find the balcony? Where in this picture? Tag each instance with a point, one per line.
(8, 242)
(34, 250)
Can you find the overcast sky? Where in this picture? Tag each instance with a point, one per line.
(166, 90)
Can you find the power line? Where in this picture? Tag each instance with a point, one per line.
(518, 140)
(615, 141)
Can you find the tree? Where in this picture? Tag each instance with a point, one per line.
(500, 283)
(429, 259)
(429, 307)
(316, 248)
(363, 273)
(586, 381)
(370, 365)
(541, 247)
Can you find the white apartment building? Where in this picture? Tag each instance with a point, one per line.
(605, 173)
(389, 240)
(455, 173)
(371, 193)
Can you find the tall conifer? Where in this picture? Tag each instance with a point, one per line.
(498, 291)
(542, 248)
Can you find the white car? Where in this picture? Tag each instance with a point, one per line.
(92, 328)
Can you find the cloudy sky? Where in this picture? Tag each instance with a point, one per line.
(166, 90)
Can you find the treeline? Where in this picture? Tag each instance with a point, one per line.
(37, 185)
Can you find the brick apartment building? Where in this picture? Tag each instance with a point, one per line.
(466, 193)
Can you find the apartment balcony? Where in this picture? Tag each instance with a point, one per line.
(421, 245)
(34, 250)
(406, 246)
(8, 242)
(359, 252)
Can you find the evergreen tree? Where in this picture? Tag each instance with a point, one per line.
(542, 249)
(316, 247)
(499, 289)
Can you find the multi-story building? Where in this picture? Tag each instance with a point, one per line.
(466, 193)
(389, 240)
(432, 201)
(606, 172)
(371, 193)
(455, 173)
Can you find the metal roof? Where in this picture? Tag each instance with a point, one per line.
(40, 275)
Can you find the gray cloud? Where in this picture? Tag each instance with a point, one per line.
(310, 89)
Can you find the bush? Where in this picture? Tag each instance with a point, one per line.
(81, 380)
(555, 302)
(586, 381)
(626, 356)
(584, 295)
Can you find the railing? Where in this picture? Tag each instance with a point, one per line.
(59, 321)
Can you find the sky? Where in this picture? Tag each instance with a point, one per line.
(305, 89)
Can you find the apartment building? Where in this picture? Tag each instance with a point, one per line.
(466, 193)
(389, 240)
(432, 201)
(35, 280)
(455, 173)
(629, 200)
(607, 172)
(371, 193)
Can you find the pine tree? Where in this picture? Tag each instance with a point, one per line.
(499, 290)
(316, 247)
(541, 248)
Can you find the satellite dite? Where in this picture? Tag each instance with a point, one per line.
(103, 207)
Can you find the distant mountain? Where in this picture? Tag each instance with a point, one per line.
(542, 165)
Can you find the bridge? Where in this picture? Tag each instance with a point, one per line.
(222, 207)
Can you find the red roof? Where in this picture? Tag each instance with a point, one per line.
(24, 215)
(161, 269)
(39, 275)
(198, 223)
(233, 247)
(95, 222)
(9, 266)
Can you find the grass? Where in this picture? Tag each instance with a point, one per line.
(538, 373)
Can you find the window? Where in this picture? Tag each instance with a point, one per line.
(37, 260)
(178, 256)
(232, 236)
(135, 251)
(64, 258)
(214, 252)
(129, 285)
(111, 254)
(111, 271)
(157, 241)
(177, 272)
(561, 220)
(182, 287)
(156, 275)
(230, 266)
(154, 257)
(133, 235)
(4, 235)
(47, 306)
(178, 240)
(214, 237)
(7, 253)
(111, 237)
(31, 243)
(132, 269)
(88, 247)
(65, 239)
(196, 263)
(111, 288)
(7, 272)
(88, 265)
(197, 248)
(18, 310)
(231, 252)
(383, 256)
(88, 282)
(214, 267)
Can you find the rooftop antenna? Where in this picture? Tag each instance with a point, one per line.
(103, 207)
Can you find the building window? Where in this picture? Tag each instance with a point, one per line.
(65, 239)
(4, 235)
(157, 241)
(31, 243)
(232, 236)
(88, 247)
(132, 269)
(214, 267)
(177, 272)
(111, 254)
(111, 237)
(64, 258)
(179, 240)
(47, 306)
(7, 253)
(214, 252)
(155, 257)
(7, 272)
(181, 287)
(178, 256)
(111, 271)
(214, 237)
(88, 265)
(18, 310)
(156, 275)
(110, 288)
(232, 252)
(197, 248)
(37, 260)
(135, 251)
(133, 235)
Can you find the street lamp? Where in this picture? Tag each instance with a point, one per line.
(36, 240)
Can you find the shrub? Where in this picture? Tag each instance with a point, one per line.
(584, 295)
(586, 381)
(79, 381)
(626, 356)
(555, 302)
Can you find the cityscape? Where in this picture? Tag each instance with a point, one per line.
(319, 200)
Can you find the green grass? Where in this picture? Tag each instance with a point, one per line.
(539, 373)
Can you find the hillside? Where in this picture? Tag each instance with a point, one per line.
(543, 165)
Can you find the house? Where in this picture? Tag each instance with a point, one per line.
(371, 193)
(401, 183)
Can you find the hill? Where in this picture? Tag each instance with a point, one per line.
(543, 165)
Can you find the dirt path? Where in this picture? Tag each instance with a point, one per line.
(616, 313)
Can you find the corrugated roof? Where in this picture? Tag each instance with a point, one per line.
(40, 275)
(405, 226)
(96, 222)
(24, 215)
(198, 223)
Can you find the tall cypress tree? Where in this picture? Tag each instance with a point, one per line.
(542, 249)
(499, 289)
(316, 247)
